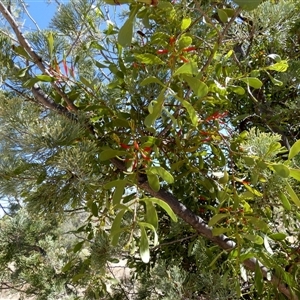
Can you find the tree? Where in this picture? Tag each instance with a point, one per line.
(165, 131)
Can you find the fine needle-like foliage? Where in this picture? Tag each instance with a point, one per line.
(158, 136)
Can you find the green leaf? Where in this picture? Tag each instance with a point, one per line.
(192, 113)
(178, 164)
(21, 73)
(199, 88)
(260, 224)
(78, 277)
(94, 209)
(119, 191)
(222, 15)
(278, 236)
(67, 266)
(149, 59)
(150, 226)
(248, 4)
(285, 202)
(275, 81)
(164, 174)
(273, 148)
(100, 65)
(184, 42)
(155, 108)
(144, 246)
(253, 190)
(185, 23)
(50, 44)
(216, 218)
(225, 178)
(153, 182)
(45, 78)
(126, 31)
(295, 149)
(249, 161)
(219, 230)
(21, 51)
(116, 228)
(187, 68)
(292, 194)
(78, 246)
(258, 279)
(86, 82)
(281, 170)
(151, 79)
(279, 66)
(110, 153)
(237, 89)
(254, 238)
(151, 214)
(295, 173)
(252, 81)
(150, 119)
(163, 205)
(119, 186)
(230, 12)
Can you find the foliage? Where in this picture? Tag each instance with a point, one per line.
(163, 127)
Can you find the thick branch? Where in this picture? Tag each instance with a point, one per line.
(48, 102)
(203, 229)
(22, 40)
(222, 240)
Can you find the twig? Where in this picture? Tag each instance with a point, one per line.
(176, 241)
(29, 16)
(207, 18)
(48, 102)
(121, 287)
(220, 39)
(8, 35)
(5, 211)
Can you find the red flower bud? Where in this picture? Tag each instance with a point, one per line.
(189, 49)
(124, 146)
(162, 51)
(136, 145)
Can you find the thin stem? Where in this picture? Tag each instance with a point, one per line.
(29, 16)
(176, 241)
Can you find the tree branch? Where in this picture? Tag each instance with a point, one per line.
(222, 240)
(48, 102)
(35, 57)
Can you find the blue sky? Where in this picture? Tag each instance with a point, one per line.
(41, 12)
